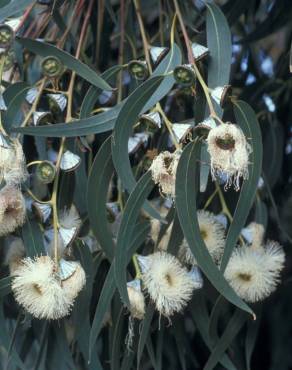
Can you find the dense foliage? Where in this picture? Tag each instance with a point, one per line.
(140, 228)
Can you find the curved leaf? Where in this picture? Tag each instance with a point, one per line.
(93, 92)
(219, 44)
(127, 118)
(14, 6)
(5, 286)
(13, 108)
(44, 49)
(105, 121)
(247, 120)
(232, 329)
(186, 204)
(129, 219)
(97, 188)
(109, 286)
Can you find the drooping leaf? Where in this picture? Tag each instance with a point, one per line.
(44, 49)
(14, 6)
(109, 286)
(129, 219)
(247, 120)
(93, 92)
(186, 204)
(97, 188)
(127, 117)
(32, 238)
(234, 325)
(146, 323)
(5, 286)
(105, 121)
(219, 44)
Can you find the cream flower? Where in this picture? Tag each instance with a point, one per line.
(213, 234)
(12, 162)
(163, 169)
(169, 285)
(254, 271)
(136, 298)
(15, 253)
(75, 282)
(38, 289)
(229, 152)
(12, 209)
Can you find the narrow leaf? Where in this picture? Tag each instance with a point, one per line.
(232, 329)
(98, 183)
(247, 120)
(129, 219)
(105, 121)
(186, 204)
(14, 6)
(44, 49)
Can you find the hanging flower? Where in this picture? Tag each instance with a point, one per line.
(169, 285)
(213, 234)
(163, 169)
(229, 152)
(12, 209)
(38, 289)
(136, 298)
(254, 271)
(12, 162)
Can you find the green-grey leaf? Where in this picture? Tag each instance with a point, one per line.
(93, 92)
(219, 44)
(127, 118)
(44, 49)
(186, 191)
(105, 121)
(109, 286)
(247, 120)
(146, 323)
(5, 286)
(32, 238)
(14, 6)
(234, 325)
(97, 188)
(129, 219)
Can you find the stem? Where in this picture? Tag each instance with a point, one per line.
(143, 34)
(2, 62)
(121, 50)
(168, 124)
(209, 200)
(136, 267)
(185, 34)
(225, 209)
(206, 92)
(68, 119)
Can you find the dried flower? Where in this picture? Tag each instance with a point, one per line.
(163, 171)
(169, 285)
(136, 298)
(12, 162)
(229, 152)
(37, 288)
(12, 209)
(213, 234)
(254, 271)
